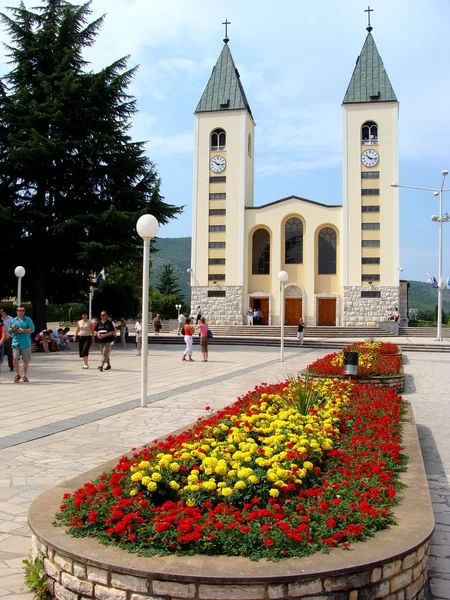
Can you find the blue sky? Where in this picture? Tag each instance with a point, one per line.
(295, 58)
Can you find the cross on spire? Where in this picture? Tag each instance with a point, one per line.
(226, 23)
(368, 10)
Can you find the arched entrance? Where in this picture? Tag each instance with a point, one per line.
(263, 302)
(294, 304)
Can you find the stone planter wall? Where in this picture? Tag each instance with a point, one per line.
(396, 382)
(392, 565)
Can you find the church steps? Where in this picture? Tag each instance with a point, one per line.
(291, 331)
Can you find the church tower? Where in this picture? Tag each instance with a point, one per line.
(371, 205)
(222, 188)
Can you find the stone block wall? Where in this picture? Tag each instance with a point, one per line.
(366, 312)
(403, 578)
(228, 310)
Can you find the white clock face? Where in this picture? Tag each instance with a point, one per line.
(217, 164)
(370, 158)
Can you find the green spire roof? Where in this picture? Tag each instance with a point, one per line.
(370, 82)
(224, 90)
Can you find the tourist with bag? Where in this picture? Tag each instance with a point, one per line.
(300, 328)
(204, 338)
(188, 331)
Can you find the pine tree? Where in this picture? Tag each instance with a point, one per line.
(167, 282)
(75, 181)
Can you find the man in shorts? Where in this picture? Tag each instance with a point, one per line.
(21, 329)
(105, 332)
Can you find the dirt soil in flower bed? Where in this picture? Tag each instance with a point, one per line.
(257, 479)
(375, 359)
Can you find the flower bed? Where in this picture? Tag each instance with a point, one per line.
(375, 359)
(269, 476)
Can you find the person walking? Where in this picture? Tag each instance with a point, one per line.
(2, 343)
(181, 322)
(7, 320)
(300, 328)
(123, 331)
(255, 316)
(199, 315)
(85, 339)
(21, 329)
(105, 332)
(203, 328)
(157, 324)
(250, 316)
(138, 330)
(188, 331)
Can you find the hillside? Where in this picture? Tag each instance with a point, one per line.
(177, 252)
(424, 296)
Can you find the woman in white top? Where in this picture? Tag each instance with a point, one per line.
(85, 339)
(138, 330)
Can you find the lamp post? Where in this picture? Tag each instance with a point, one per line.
(441, 218)
(19, 272)
(282, 278)
(178, 307)
(147, 227)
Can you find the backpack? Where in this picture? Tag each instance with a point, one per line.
(210, 334)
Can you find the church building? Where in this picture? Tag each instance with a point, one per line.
(342, 261)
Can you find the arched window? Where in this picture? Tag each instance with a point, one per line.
(261, 252)
(369, 133)
(293, 236)
(218, 140)
(249, 145)
(327, 251)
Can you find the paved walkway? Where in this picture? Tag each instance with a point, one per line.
(66, 421)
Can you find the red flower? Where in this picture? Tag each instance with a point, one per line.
(244, 529)
(268, 542)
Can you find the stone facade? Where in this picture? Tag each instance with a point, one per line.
(69, 579)
(228, 310)
(367, 312)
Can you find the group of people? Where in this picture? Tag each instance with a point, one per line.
(255, 316)
(53, 341)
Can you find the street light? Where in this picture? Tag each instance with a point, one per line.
(282, 278)
(19, 272)
(441, 218)
(147, 227)
(178, 307)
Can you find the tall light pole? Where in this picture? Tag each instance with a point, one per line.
(178, 307)
(441, 218)
(147, 227)
(282, 278)
(19, 272)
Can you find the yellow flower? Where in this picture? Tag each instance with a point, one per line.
(144, 464)
(136, 476)
(226, 491)
(145, 480)
(174, 485)
(240, 485)
(191, 502)
(308, 465)
(152, 487)
(174, 467)
(133, 492)
(274, 493)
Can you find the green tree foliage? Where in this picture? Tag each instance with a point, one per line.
(167, 282)
(72, 182)
(117, 300)
(164, 304)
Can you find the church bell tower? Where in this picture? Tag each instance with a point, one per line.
(371, 205)
(222, 188)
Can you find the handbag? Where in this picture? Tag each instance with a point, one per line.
(210, 334)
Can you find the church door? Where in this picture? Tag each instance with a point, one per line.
(261, 304)
(293, 311)
(326, 312)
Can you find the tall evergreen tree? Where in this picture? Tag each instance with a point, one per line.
(167, 282)
(73, 182)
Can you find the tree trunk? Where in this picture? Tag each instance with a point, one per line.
(38, 299)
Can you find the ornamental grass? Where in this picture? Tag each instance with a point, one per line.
(375, 359)
(257, 479)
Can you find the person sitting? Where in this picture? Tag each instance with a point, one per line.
(65, 339)
(43, 339)
(56, 339)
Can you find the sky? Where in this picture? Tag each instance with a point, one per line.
(295, 58)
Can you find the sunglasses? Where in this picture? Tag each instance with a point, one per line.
(20, 310)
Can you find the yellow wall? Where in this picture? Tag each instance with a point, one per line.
(273, 218)
(385, 115)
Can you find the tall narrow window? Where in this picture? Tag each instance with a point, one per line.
(327, 251)
(218, 140)
(249, 145)
(293, 235)
(369, 133)
(261, 252)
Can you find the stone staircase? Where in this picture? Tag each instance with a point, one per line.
(291, 331)
(423, 332)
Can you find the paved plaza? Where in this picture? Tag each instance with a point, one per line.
(67, 421)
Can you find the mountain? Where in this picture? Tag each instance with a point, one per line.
(424, 297)
(177, 252)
